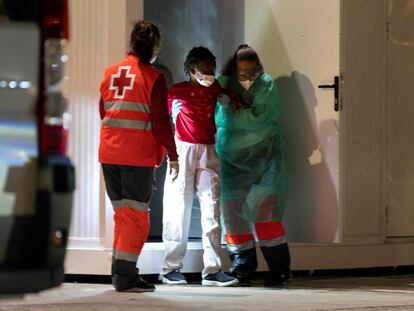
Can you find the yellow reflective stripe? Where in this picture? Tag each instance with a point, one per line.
(131, 106)
(140, 206)
(125, 256)
(129, 124)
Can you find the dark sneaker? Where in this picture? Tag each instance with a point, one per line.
(219, 279)
(139, 286)
(174, 277)
(274, 279)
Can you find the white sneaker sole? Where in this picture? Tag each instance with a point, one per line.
(219, 284)
(169, 282)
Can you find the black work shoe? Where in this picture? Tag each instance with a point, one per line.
(174, 277)
(244, 261)
(245, 279)
(219, 279)
(275, 279)
(139, 286)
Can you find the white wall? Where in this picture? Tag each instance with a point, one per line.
(99, 35)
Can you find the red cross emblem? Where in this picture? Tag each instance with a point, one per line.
(122, 81)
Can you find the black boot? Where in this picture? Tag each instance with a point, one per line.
(125, 277)
(243, 265)
(278, 261)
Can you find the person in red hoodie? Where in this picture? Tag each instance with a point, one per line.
(135, 132)
(193, 104)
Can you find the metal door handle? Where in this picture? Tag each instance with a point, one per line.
(334, 86)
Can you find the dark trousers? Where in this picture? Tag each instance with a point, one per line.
(130, 189)
(128, 182)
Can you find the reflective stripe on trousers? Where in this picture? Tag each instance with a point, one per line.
(269, 233)
(129, 188)
(130, 232)
(139, 206)
(120, 255)
(199, 171)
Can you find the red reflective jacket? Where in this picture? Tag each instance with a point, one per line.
(127, 137)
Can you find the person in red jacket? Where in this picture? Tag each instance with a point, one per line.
(135, 132)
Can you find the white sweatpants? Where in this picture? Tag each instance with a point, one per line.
(199, 171)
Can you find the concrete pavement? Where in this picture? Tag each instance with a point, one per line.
(306, 293)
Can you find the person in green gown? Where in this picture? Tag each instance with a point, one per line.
(250, 148)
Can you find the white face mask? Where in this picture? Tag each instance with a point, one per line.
(204, 80)
(246, 84)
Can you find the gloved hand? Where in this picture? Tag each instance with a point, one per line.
(230, 98)
(223, 99)
(175, 109)
(174, 169)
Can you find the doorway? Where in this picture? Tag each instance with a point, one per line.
(217, 25)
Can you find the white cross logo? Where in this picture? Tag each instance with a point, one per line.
(122, 81)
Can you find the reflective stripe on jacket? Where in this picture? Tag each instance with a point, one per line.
(126, 133)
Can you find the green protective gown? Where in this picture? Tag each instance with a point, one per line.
(250, 148)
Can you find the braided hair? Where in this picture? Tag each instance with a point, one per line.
(145, 37)
(196, 56)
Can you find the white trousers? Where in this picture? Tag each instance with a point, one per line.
(199, 172)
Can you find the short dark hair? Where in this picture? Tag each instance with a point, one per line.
(243, 53)
(145, 37)
(197, 55)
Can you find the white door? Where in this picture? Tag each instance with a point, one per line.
(299, 44)
(399, 116)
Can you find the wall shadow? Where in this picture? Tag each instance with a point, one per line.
(312, 211)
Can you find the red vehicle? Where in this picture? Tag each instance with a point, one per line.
(36, 176)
